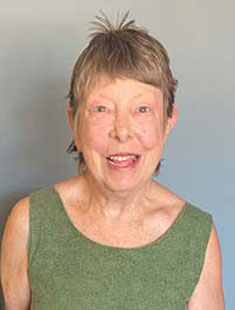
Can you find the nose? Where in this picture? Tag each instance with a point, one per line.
(121, 127)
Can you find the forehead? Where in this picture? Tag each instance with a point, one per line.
(125, 89)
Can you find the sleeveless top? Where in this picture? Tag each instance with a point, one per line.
(67, 270)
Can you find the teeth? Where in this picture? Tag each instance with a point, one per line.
(122, 158)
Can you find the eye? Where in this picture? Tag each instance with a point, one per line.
(100, 109)
(143, 109)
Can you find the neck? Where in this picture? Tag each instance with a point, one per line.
(117, 206)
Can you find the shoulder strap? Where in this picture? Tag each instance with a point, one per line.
(195, 232)
(46, 219)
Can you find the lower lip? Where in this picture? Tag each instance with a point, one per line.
(125, 167)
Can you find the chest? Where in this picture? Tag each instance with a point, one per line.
(129, 234)
(97, 277)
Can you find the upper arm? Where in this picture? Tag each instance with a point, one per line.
(14, 258)
(208, 293)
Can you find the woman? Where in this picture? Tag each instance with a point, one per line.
(111, 237)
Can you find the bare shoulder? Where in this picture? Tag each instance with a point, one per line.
(167, 201)
(208, 293)
(14, 256)
(166, 208)
(72, 189)
(18, 221)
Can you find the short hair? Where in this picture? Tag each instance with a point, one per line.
(121, 50)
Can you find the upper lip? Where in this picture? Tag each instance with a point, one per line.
(124, 154)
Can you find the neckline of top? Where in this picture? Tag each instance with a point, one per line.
(157, 241)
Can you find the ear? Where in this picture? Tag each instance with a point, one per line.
(170, 122)
(70, 117)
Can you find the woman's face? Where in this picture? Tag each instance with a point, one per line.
(121, 133)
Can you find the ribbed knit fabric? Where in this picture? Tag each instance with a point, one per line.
(68, 271)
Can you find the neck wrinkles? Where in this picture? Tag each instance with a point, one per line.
(117, 206)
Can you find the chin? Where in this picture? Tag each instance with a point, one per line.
(119, 180)
(123, 185)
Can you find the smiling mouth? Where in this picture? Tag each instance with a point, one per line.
(123, 160)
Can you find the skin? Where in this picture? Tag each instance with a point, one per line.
(103, 200)
(121, 127)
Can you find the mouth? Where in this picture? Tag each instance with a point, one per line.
(123, 161)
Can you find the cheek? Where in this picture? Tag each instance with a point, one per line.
(150, 135)
(94, 138)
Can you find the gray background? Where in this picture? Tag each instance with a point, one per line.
(39, 42)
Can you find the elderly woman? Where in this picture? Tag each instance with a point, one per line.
(111, 237)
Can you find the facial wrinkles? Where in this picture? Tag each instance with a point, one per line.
(150, 132)
(123, 107)
(138, 132)
(146, 130)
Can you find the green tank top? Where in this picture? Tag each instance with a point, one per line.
(69, 271)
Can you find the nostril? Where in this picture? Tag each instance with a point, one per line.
(121, 134)
(120, 130)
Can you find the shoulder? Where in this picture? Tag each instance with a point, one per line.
(72, 190)
(209, 291)
(200, 217)
(18, 218)
(14, 255)
(16, 230)
(166, 203)
(173, 204)
(164, 197)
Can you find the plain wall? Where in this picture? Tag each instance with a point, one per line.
(39, 43)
